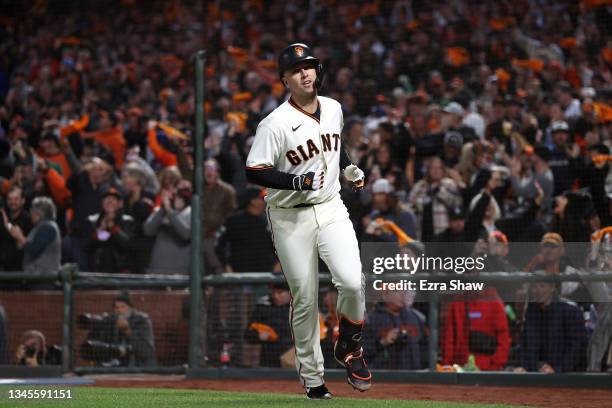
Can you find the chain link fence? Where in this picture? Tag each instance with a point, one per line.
(247, 324)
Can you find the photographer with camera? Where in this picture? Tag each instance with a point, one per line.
(33, 350)
(395, 333)
(124, 338)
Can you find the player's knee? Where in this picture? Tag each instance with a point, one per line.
(352, 289)
(304, 305)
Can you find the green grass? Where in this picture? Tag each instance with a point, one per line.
(95, 397)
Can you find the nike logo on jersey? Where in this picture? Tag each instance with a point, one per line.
(296, 128)
(299, 154)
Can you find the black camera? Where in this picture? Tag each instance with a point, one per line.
(98, 347)
(100, 351)
(30, 351)
(89, 321)
(402, 337)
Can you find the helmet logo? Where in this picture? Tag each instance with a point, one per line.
(299, 51)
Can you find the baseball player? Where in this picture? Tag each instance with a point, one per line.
(298, 155)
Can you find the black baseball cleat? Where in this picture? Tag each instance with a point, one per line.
(318, 393)
(348, 352)
(358, 374)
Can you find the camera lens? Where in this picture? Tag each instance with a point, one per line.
(30, 351)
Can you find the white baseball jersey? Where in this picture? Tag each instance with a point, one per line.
(291, 140)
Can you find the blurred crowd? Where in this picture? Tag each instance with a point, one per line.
(487, 121)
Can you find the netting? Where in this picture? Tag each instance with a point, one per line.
(32, 325)
(154, 333)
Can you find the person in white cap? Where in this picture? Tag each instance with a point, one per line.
(453, 115)
(432, 197)
(563, 160)
(386, 206)
(454, 118)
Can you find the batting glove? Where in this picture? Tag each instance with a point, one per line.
(355, 175)
(313, 180)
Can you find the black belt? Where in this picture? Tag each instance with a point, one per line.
(303, 205)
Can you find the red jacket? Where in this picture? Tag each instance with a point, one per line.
(487, 315)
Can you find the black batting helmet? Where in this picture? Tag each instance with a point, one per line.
(295, 53)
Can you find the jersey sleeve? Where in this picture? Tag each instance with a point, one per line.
(265, 150)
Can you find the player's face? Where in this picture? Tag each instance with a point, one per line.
(301, 78)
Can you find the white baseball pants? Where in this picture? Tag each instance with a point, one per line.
(300, 236)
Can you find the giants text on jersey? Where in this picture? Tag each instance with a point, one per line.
(291, 140)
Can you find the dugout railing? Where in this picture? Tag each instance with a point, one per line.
(72, 284)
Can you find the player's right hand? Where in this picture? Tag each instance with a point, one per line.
(313, 180)
(356, 176)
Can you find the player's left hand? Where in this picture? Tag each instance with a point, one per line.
(355, 175)
(312, 180)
